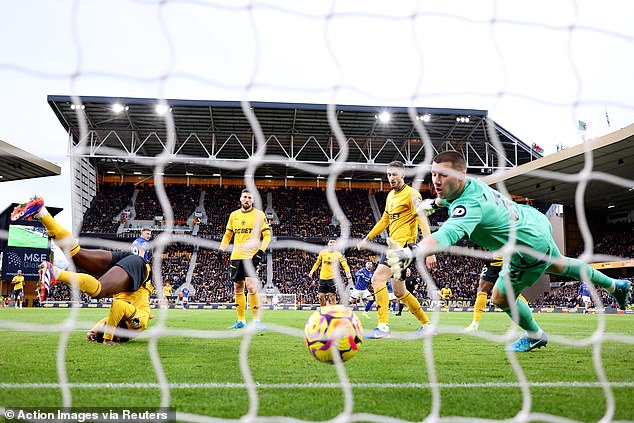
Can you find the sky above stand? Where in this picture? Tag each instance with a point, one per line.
(538, 67)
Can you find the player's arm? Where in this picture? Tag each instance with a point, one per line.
(346, 267)
(380, 226)
(226, 239)
(315, 266)
(425, 229)
(266, 240)
(91, 335)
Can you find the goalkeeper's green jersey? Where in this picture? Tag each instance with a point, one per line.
(486, 217)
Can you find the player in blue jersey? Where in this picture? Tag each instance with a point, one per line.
(363, 278)
(141, 245)
(185, 296)
(584, 295)
(491, 220)
(392, 297)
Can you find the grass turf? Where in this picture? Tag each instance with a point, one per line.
(476, 377)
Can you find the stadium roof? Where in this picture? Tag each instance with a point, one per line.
(211, 136)
(612, 154)
(17, 164)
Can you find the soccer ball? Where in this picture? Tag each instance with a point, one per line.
(333, 325)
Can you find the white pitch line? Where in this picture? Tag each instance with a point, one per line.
(212, 385)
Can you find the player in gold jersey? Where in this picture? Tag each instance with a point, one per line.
(107, 272)
(129, 310)
(251, 236)
(488, 277)
(402, 222)
(445, 295)
(328, 259)
(18, 289)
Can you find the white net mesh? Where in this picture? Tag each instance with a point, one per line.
(531, 62)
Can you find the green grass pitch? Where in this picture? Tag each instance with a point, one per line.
(388, 376)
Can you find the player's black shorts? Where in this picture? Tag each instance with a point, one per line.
(239, 270)
(17, 292)
(135, 266)
(327, 286)
(491, 271)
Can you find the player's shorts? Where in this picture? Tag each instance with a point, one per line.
(327, 286)
(17, 292)
(586, 299)
(360, 293)
(135, 266)
(239, 270)
(490, 272)
(524, 270)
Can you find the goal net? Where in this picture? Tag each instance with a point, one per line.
(559, 73)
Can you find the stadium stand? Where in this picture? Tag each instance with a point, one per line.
(302, 213)
(103, 214)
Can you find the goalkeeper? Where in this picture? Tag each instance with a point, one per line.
(491, 220)
(402, 221)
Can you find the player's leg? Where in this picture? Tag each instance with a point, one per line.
(520, 276)
(581, 271)
(238, 276)
(382, 298)
(95, 262)
(369, 302)
(322, 299)
(410, 301)
(35, 208)
(484, 289)
(112, 282)
(254, 301)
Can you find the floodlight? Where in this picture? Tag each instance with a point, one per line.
(384, 117)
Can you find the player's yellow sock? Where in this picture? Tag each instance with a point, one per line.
(382, 304)
(62, 237)
(521, 297)
(241, 305)
(85, 282)
(478, 308)
(254, 302)
(120, 310)
(414, 307)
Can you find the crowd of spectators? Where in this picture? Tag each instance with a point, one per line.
(219, 203)
(183, 199)
(303, 213)
(106, 205)
(211, 278)
(175, 263)
(617, 239)
(566, 296)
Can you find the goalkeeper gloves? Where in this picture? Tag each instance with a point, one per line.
(257, 258)
(399, 258)
(427, 206)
